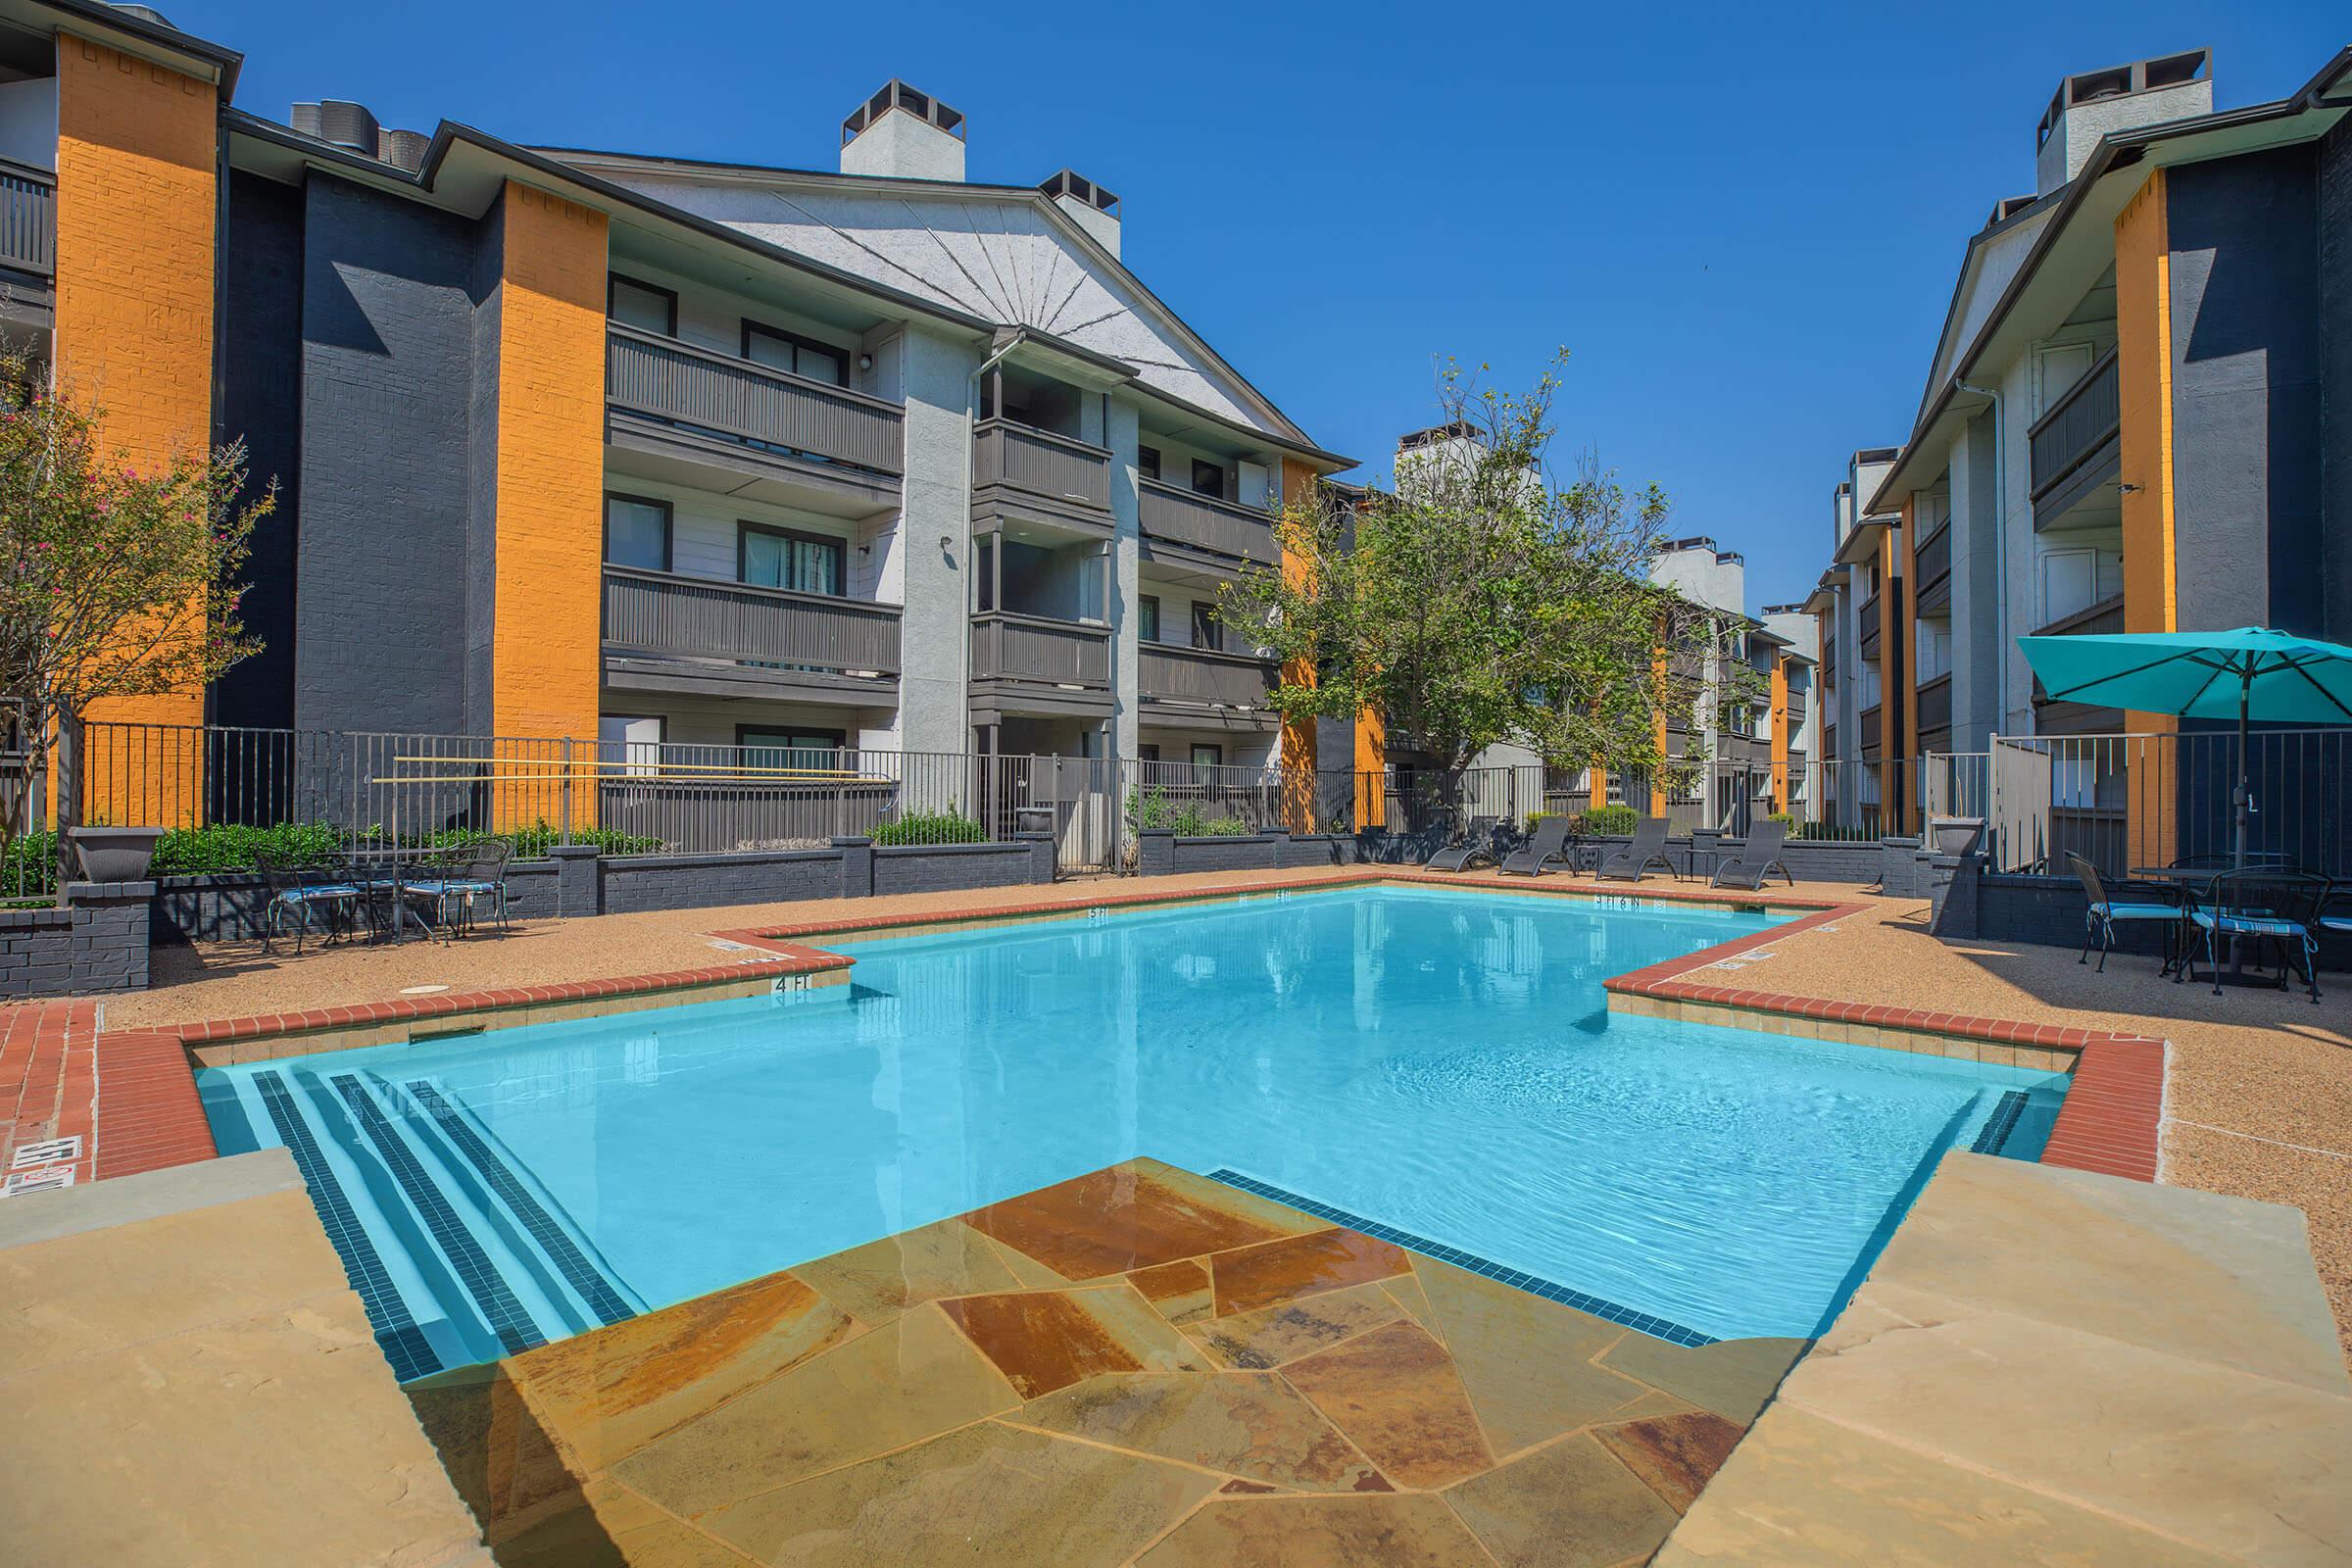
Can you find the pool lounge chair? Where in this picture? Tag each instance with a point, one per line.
(1633, 862)
(1758, 857)
(2144, 902)
(1550, 843)
(1474, 844)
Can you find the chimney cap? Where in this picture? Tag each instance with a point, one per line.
(2119, 82)
(1459, 430)
(896, 94)
(1070, 182)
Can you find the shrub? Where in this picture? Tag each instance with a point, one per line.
(950, 826)
(232, 846)
(1785, 821)
(1150, 811)
(1609, 819)
(28, 866)
(1227, 827)
(532, 843)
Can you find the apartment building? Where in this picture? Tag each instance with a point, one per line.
(578, 443)
(2137, 416)
(1861, 782)
(1750, 757)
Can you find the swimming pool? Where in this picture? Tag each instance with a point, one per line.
(1435, 1060)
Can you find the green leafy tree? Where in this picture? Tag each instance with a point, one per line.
(120, 580)
(1482, 604)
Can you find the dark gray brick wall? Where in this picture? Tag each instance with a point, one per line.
(1314, 848)
(2335, 374)
(634, 883)
(950, 867)
(1253, 853)
(387, 361)
(96, 944)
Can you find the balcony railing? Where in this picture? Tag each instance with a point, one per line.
(28, 218)
(2099, 620)
(1934, 562)
(1200, 675)
(1041, 462)
(1031, 648)
(694, 617)
(2075, 426)
(1936, 704)
(663, 378)
(1869, 620)
(1203, 523)
(1870, 729)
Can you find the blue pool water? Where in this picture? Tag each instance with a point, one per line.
(1435, 1060)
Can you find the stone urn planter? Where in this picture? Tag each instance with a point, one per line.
(1955, 835)
(112, 854)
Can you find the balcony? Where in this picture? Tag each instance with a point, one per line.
(1025, 474)
(28, 218)
(1197, 525)
(1870, 729)
(2073, 445)
(2099, 620)
(1934, 698)
(1192, 684)
(1032, 665)
(1933, 561)
(1868, 618)
(1829, 741)
(664, 632)
(674, 400)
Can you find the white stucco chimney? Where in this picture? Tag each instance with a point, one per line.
(904, 134)
(2086, 107)
(1096, 209)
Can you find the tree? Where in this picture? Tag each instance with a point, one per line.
(120, 581)
(1480, 603)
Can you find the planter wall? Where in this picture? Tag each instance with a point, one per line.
(98, 943)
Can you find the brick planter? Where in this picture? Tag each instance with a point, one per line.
(97, 943)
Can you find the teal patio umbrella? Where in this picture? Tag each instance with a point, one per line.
(2247, 674)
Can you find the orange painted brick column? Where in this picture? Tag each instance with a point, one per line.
(2144, 325)
(1300, 759)
(137, 202)
(1780, 731)
(545, 640)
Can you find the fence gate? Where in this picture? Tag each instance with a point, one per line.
(2021, 803)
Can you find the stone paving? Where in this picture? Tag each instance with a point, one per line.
(1137, 1366)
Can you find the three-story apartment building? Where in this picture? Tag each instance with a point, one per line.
(578, 443)
(2139, 416)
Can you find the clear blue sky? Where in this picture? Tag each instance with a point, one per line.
(1744, 222)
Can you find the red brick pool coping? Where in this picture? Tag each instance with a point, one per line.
(142, 1113)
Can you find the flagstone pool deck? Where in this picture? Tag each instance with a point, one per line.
(2046, 1365)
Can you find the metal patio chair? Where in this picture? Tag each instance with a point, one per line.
(2259, 904)
(2138, 901)
(307, 896)
(451, 883)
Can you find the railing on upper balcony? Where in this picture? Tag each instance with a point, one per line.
(1870, 728)
(2099, 620)
(1041, 462)
(1869, 620)
(1205, 675)
(2075, 427)
(1936, 704)
(663, 378)
(1933, 561)
(1032, 647)
(28, 218)
(696, 618)
(1205, 523)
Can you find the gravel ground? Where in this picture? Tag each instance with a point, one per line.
(2260, 1089)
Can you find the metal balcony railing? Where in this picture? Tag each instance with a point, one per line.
(662, 378)
(696, 618)
(1173, 673)
(2086, 416)
(1042, 463)
(1032, 647)
(1203, 523)
(28, 218)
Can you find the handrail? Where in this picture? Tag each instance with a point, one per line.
(2072, 394)
(1234, 509)
(2101, 381)
(1054, 438)
(794, 596)
(753, 368)
(33, 173)
(1046, 622)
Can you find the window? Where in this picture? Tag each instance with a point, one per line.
(1146, 617)
(795, 355)
(1147, 751)
(817, 750)
(1208, 758)
(642, 306)
(778, 558)
(1207, 479)
(636, 533)
(629, 741)
(1147, 462)
(1206, 633)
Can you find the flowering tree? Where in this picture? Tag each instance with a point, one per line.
(1481, 603)
(119, 580)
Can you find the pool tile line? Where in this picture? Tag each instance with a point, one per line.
(594, 1287)
(404, 1343)
(2000, 1124)
(1649, 1323)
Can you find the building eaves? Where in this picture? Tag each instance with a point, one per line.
(147, 37)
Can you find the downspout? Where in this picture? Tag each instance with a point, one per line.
(2000, 541)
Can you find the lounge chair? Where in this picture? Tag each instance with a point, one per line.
(2138, 900)
(1633, 862)
(1759, 856)
(2257, 905)
(1474, 844)
(310, 897)
(1549, 842)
